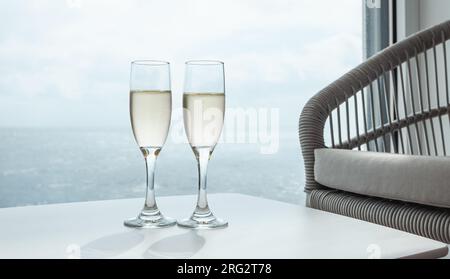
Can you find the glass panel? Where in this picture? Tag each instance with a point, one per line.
(64, 113)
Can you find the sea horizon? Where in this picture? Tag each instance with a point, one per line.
(54, 164)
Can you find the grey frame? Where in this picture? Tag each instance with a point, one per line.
(409, 118)
(377, 36)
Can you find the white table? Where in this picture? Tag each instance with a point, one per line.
(259, 228)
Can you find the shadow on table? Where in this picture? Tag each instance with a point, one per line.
(178, 246)
(183, 245)
(111, 245)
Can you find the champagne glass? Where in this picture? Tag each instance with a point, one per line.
(203, 113)
(150, 111)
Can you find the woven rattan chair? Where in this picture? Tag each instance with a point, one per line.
(390, 115)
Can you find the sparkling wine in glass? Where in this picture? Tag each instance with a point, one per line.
(150, 112)
(203, 113)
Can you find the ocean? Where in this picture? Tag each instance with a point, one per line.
(59, 165)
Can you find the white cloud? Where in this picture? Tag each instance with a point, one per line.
(80, 50)
(321, 60)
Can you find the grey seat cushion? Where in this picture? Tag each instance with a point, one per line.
(418, 179)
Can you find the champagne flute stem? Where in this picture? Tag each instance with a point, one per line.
(150, 216)
(150, 155)
(203, 154)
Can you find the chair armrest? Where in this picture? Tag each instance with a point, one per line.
(316, 112)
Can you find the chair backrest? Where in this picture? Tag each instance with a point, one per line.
(397, 101)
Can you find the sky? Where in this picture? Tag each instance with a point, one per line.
(67, 63)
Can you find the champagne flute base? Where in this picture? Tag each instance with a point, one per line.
(147, 221)
(203, 222)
